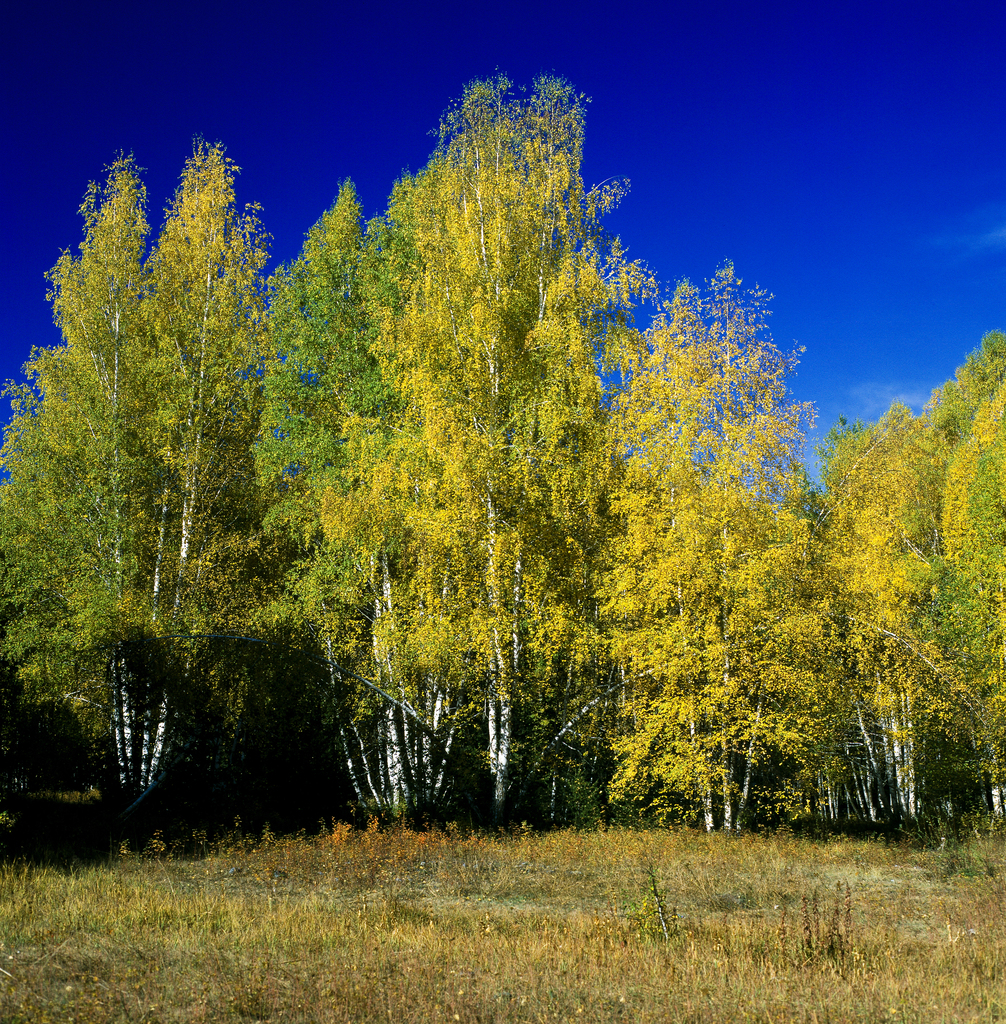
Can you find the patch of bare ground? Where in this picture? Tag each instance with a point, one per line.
(618, 925)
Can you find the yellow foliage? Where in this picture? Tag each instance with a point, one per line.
(708, 575)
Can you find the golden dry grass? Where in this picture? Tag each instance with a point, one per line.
(395, 925)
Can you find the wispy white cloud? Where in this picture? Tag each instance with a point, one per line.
(869, 400)
(994, 239)
(866, 401)
(983, 232)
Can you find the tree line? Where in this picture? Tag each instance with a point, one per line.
(426, 522)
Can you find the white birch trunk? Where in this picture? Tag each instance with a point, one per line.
(706, 790)
(748, 764)
(728, 788)
(498, 703)
(897, 762)
(872, 762)
(910, 787)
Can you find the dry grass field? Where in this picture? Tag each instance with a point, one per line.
(396, 925)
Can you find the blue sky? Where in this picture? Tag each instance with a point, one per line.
(851, 158)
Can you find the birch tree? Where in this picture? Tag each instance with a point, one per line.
(131, 501)
(499, 465)
(709, 575)
(73, 515)
(208, 565)
(911, 741)
(969, 411)
(327, 423)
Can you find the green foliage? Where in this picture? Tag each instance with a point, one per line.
(130, 511)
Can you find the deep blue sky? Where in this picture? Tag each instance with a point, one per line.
(851, 158)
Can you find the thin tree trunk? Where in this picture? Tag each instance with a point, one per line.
(706, 788)
(749, 761)
(728, 788)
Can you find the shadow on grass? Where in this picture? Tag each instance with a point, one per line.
(61, 829)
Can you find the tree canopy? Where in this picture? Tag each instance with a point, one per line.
(428, 514)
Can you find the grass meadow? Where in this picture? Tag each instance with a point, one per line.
(391, 924)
